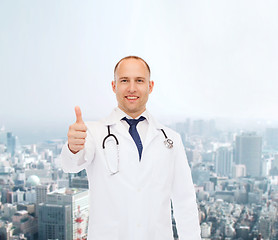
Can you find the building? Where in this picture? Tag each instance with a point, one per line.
(80, 182)
(223, 160)
(11, 143)
(275, 162)
(249, 153)
(24, 223)
(41, 193)
(271, 137)
(206, 229)
(265, 226)
(64, 215)
(238, 171)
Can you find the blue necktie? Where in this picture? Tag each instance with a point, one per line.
(134, 133)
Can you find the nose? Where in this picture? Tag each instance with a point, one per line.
(132, 86)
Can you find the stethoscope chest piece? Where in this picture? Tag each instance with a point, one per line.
(168, 143)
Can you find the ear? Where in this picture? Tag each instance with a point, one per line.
(151, 84)
(113, 83)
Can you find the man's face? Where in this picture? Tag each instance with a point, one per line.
(132, 86)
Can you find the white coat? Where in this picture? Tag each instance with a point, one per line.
(135, 203)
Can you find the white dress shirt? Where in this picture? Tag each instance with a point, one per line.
(142, 127)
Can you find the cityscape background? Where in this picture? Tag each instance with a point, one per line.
(214, 64)
(235, 174)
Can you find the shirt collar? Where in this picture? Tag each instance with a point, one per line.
(120, 114)
(117, 114)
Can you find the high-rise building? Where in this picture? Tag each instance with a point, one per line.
(64, 215)
(3, 139)
(275, 161)
(266, 167)
(11, 143)
(265, 226)
(80, 182)
(238, 170)
(271, 137)
(249, 152)
(198, 127)
(54, 221)
(224, 161)
(41, 193)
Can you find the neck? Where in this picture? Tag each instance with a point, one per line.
(133, 114)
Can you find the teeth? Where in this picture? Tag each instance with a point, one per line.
(131, 97)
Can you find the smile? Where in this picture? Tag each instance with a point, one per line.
(131, 97)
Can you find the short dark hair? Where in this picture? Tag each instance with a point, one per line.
(134, 57)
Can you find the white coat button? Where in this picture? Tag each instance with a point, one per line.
(138, 189)
(138, 225)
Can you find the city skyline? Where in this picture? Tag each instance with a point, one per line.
(31, 134)
(234, 201)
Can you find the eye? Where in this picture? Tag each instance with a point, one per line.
(140, 80)
(123, 80)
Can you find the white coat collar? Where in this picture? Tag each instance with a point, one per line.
(154, 128)
(115, 118)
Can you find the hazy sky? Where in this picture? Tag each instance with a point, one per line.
(208, 58)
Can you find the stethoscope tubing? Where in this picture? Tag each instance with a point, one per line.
(109, 135)
(168, 142)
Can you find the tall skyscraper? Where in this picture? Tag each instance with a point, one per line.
(41, 193)
(3, 139)
(249, 152)
(224, 161)
(275, 161)
(11, 143)
(271, 137)
(64, 215)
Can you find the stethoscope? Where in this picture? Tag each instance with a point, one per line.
(167, 142)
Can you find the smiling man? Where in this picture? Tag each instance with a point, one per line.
(136, 167)
(132, 85)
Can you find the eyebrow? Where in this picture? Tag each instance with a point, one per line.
(135, 78)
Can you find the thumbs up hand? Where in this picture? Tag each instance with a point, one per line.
(77, 133)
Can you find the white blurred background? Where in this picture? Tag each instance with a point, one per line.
(209, 59)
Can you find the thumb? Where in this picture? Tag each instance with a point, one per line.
(78, 114)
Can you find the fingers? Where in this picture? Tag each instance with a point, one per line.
(76, 142)
(75, 148)
(80, 127)
(77, 133)
(78, 115)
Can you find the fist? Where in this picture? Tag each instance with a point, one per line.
(77, 133)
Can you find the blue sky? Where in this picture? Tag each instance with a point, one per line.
(208, 58)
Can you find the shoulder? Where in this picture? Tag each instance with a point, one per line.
(98, 124)
(170, 133)
(94, 124)
(96, 129)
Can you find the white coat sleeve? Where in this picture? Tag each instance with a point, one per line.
(74, 163)
(185, 209)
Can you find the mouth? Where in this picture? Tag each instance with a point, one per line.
(131, 98)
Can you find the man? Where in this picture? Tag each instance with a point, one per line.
(133, 173)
